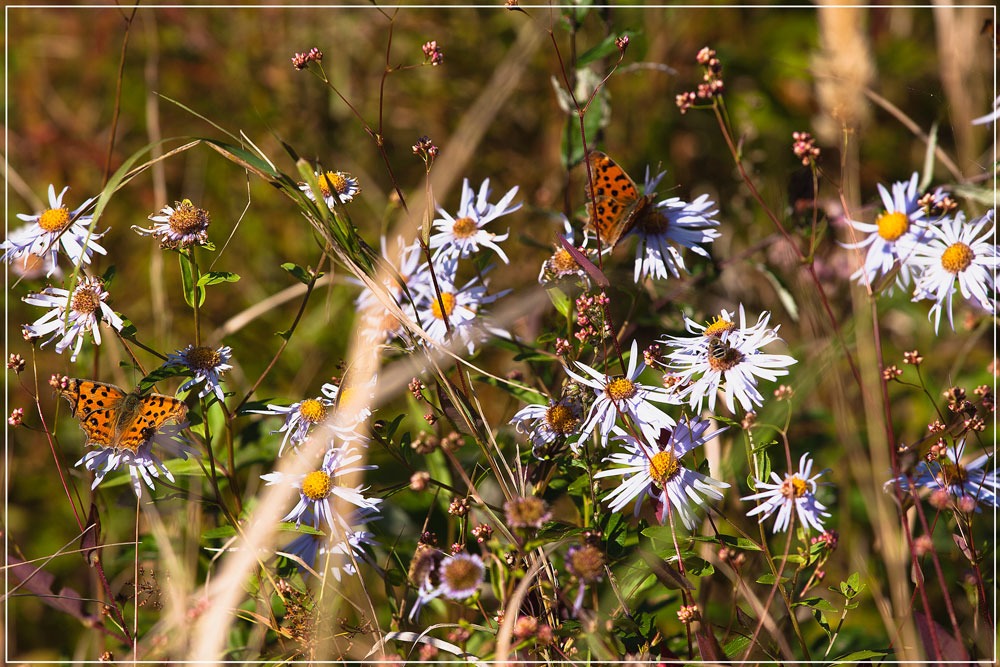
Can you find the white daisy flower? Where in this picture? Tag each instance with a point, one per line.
(335, 186)
(548, 424)
(336, 552)
(462, 307)
(961, 252)
(657, 472)
(317, 488)
(676, 224)
(462, 235)
(143, 465)
(457, 576)
(561, 265)
(87, 308)
(299, 419)
(377, 324)
(348, 395)
(796, 493)
(622, 394)
(899, 229)
(207, 364)
(971, 479)
(724, 355)
(178, 226)
(50, 229)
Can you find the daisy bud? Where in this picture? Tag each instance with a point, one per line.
(16, 363)
(427, 537)
(16, 417)
(783, 393)
(975, 424)
(457, 547)
(459, 635)
(891, 373)
(430, 418)
(563, 347)
(913, 358)
(935, 426)
(59, 382)
(416, 387)
(433, 53)
(525, 627)
(748, 420)
(300, 61)
(622, 43)
(107, 656)
(419, 480)
(428, 652)
(425, 443)
(544, 635)
(705, 55)
(458, 507)
(315, 55)
(452, 441)
(687, 613)
(967, 504)
(940, 499)
(482, 533)
(923, 545)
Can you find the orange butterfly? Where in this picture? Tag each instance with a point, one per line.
(113, 418)
(617, 207)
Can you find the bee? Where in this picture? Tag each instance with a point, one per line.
(717, 348)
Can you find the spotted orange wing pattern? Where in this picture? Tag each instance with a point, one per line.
(96, 405)
(110, 417)
(150, 413)
(616, 203)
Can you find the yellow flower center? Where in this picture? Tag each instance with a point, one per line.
(54, 219)
(957, 258)
(312, 410)
(892, 225)
(316, 485)
(717, 327)
(793, 487)
(86, 300)
(464, 228)
(563, 262)
(461, 574)
(952, 473)
(333, 181)
(444, 307)
(561, 419)
(663, 466)
(620, 388)
(188, 218)
(204, 358)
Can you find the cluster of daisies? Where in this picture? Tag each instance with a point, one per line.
(328, 500)
(424, 285)
(921, 240)
(723, 357)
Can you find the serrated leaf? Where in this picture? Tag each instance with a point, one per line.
(216, 277)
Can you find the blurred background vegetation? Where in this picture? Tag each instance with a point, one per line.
(492, 110)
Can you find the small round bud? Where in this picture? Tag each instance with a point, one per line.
(419, 480)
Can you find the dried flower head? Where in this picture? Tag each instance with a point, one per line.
(179, 226)
(526, 512)
(16, 363)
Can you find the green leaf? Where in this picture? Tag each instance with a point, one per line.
(216, 277)
(559, 300)
(769, 579)
(816, 603)
(736, 647)
(786, 298)
(162, 373)
(192, 292)
(300, 274)
(821, 619)
(738, 543)
(216, 533)
(606, 47)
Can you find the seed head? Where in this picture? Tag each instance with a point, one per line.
(16, 417)
(16, 363)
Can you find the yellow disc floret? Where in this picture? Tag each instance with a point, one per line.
(561, 419)
(793, 487)
(312, 410)
(204, 358)
(620, 389)
(663, 466)
(464, 227)
(86, 300)
(892, 225)
(717, 327)
(316, 485)
(957, 258)
(443, 307)
(54, 219)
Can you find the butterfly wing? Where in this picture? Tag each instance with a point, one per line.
(145, 418)
(616, 200)
(96, 405)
